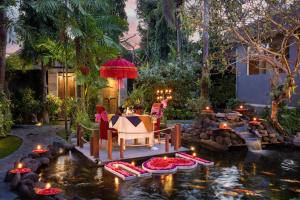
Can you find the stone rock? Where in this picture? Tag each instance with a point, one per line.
(204, 136)
(280, 139)
(33, 164)
(273, 140)
(219, 140)
(227, 141)
(235, 142)
(265, 139)
(272, 135)
(60, 197)
(211, 145)
(221, 115)
(53, 150)
(26, 192)
(31, 176)
(44, 160)
(233, 116)
(233, 136)
(28, 182)
(296, 141)
(33, 155)
(263, 133)
(8, 176)
(15, 181)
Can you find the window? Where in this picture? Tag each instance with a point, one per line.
(255, 65)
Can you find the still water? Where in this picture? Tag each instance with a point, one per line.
(267, 174)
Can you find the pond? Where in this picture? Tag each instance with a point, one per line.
(237, 174)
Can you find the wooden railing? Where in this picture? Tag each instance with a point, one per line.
(175, 137)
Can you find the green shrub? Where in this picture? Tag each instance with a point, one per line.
(5, 115)
(25, 106)
(53, 106)
(233, 103)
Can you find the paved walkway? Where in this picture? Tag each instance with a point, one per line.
(31, 135)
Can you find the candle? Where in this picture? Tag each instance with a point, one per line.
(192, 148)
(225, 125)
(20, 165)
(241, 107)
(254, 118)
(207, 108)
(48, 186)
(116, 165)
(194, 154)
(165, 157)
(38, 147)
(133, 163)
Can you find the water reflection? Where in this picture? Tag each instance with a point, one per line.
(236, 175)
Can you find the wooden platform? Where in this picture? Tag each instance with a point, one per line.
(131, 153)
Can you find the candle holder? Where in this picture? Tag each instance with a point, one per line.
(20, 169)
(242, 109)
(255, 122)
(48, 190)
(224, 126)
(39, 150)
(207, 110)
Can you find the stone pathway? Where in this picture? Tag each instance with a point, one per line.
(31, 136)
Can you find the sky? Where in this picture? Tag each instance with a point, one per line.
(133, 24)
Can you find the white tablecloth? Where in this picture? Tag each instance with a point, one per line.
(128, 131)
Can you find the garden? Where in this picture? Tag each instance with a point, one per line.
(149, 99)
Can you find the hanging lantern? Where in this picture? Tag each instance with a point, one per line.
(85, 70)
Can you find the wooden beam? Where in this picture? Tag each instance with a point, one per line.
(167, 138)
(122, 148)
(109, 145)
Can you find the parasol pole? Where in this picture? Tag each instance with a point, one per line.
(119, 95)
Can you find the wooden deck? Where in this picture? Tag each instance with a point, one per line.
(131, 153)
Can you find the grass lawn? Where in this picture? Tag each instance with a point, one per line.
(8, 145)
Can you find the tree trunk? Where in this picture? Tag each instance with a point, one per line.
(3, 42)
(205, 70)
(44, 93)
(178, 32)
(274, 118)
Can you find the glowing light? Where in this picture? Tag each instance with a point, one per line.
(192, 148)
(20, 165)
(165, 157)
(117, 181)
(116, 165)
(194, 154)
(48, 186)
(241, 107)
(225, 124)
(61, 150)
(133, 163)
(39, 124)
(207, 107)
(38, 147)
(254, 119)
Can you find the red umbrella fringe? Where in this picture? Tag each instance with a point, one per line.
(119, 72)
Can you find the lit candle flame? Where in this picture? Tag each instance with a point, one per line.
(225, 125)
(192, 148)
(194, 154)
(165, 157)
(116, 165)
(133, 163)
(254, 118)
(207, 108)
(38, 147)
(48, 186)
(241, 107)
(20, 165)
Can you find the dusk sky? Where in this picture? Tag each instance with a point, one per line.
(133, 22)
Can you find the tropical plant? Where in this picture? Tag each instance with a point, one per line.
(53, 106)
(26, 107)
(5, 115)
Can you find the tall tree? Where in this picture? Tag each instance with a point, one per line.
(3, 40)
(269, 29)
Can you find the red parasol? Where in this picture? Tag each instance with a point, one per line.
(119, 69)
